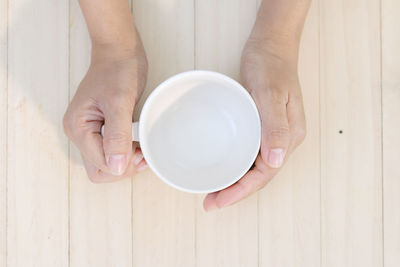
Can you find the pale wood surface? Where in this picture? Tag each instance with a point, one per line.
(3, 132)
(391, 129)
(351, 144)
(37, 173)
(336, 202)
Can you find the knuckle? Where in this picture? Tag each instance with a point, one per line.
(68, 124)
(278, 132)
(73, 125)
(117, 138)
(278, 96)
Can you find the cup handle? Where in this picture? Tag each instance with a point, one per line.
(135, 131)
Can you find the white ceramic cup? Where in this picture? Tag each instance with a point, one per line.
(199, 131)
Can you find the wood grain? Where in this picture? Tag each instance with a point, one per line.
(351, 133)
(289, 207)
(324, 208)
(3, 131)
(163, 218)
(391, 129)
(37, 149)
(225, 237)
(100, 214)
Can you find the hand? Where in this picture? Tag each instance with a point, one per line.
(269, 72)
(113, 84)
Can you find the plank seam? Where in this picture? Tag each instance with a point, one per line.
(320, 133)
(381, 122)
(132, 235)
(258, 231)
(6, 136)
(69, 143)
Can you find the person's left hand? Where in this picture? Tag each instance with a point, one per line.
(269, 72)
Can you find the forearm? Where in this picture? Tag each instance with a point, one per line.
(280, 22)
(110, 25)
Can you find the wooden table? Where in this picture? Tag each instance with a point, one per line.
(336, 203)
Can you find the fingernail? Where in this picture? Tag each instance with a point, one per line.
(138, 158)
(275, 158)
(117, 164)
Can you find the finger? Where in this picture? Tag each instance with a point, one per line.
(275, 138)
(253, 181)
(98, 176)
(90, 143)
(117, 139)
(210, 202)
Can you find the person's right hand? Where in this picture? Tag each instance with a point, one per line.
(107, 95)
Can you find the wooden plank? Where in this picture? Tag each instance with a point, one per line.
(227, 237)
(289, 207)
(37, 147)
(3, 130)
(163, 218)
(351, 133)
(100, 214)
(222, 28)
(391, 129)
(163, 224)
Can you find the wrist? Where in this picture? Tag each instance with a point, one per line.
(112, 51)
(105, 51)
(284, 43)
(284, 51)
(279, 25)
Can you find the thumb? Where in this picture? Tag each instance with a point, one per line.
(275, 138)
(117, 139)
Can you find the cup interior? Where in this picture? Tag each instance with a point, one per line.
(200, 131)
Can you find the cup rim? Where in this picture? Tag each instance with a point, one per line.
(146, 108)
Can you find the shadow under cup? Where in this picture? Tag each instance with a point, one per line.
(200, 131)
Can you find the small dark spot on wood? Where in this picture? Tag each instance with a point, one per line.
(340, 131)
